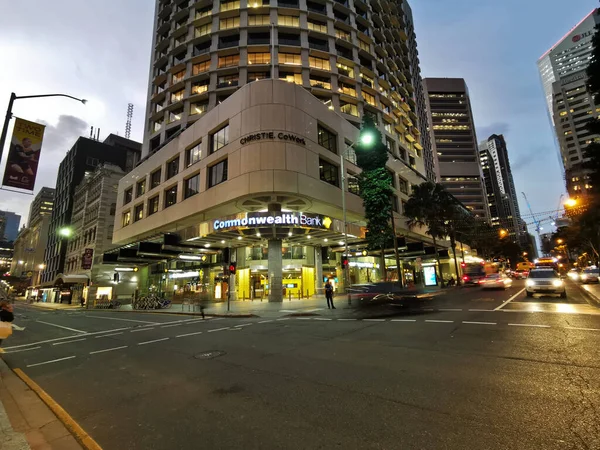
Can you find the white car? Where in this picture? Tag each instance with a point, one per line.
(545, 281)
(496, 281)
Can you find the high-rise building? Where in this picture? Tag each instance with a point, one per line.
(41, 205)
(9, 225)
(82, 158)
(455, 142)
(499, 183)
(570, 105)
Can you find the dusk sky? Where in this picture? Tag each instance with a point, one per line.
(100, 50)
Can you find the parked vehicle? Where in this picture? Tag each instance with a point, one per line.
(589, 275)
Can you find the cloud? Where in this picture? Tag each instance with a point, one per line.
(61, 137)
(495, 128)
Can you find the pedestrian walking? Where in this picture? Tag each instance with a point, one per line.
(329, 294)
(6, 316)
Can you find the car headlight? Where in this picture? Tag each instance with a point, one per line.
(557, 283)
(529, 283)
(583, 277)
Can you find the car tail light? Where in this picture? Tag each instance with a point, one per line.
(466, 278)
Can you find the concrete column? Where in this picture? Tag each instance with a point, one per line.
(318, 270)
(275, 271)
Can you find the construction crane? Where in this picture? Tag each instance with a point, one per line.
(536, 222)
(128, 123)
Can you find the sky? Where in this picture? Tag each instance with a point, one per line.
(100, 50)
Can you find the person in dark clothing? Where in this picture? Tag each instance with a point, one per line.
(6, 315)
(329, 295)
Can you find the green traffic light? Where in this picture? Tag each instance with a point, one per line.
(367, 138)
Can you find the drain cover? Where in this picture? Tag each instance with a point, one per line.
(209, 354)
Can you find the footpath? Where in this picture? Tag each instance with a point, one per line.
(26, 422)
(592, 292)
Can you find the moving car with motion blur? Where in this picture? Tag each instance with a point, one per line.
(496, 281)
(589, 275)
(545, 281)
(573, 274)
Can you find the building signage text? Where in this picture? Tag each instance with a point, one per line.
(272, 136)
(266, 219)
(579, 37)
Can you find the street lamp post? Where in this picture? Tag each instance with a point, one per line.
(14, 97)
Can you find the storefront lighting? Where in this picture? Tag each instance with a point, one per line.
(175, 276)
(257, 234)
(309, 237)
(125, 269)
(190, 257)
(239, 238)
(341, 242)
(206, 245)
(325, 240)
(223, 241)
(290, 233)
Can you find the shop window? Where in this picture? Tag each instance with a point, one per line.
(138, 212)
(329, 172)
(192, 186)
(327, 139)
(219, 139)
(217, 174)
(127, 195)
(153, 205)
(171, 196)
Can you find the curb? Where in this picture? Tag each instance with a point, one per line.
(591, 297)
(73, 427)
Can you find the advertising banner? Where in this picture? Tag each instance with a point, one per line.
(24, 155)
(87, 258)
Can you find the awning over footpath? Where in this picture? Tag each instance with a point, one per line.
(62, 279)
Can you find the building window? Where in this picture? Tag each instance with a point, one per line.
(394, 201)
(327, 139)
(204, 12)
(175, 116)
(344, 35)
(140, 188)
(177, 96)
(192, 186)
(259, 58)
(290, 59)
(228, 6)
(138, 212)
(319, 82)
(153, 205)
(291, 77)
(370, 99)
(349, 108)
(217, 173)
(345, 70)
(219, 139)
(255, 76)
(200, 88)
(353, 186)
(155, 179)
(318, 63)
(364, 46)
(347, 89)
(113, 209)
(126, 219)
(317, 26)
(228, 81)
(288, 21)
(403, 185)
(198, 108)
(177, 77)
(329, 172)
(230, 22)
(172, 168)
(127, 195)
(193, 155)
(200, 68)
(229, 61)
(171, 196)
(258, 20)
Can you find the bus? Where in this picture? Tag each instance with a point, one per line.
(547, 262)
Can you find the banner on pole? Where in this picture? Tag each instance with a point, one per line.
(87, 258)
(24, 155)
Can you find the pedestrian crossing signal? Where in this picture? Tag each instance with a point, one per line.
(344, 263)
(232, 269)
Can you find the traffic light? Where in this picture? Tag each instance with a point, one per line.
(232, 268)
(344, 262)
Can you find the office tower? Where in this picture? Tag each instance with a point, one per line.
(41, 205)
(9, 225)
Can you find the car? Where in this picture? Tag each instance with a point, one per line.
(589, 275)
(472, 278)
(496, 281)
(545, 281)
(520, 274)
(573, 274)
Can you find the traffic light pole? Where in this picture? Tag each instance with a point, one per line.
(346, 255)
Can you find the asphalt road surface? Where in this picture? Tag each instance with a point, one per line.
(482, 370)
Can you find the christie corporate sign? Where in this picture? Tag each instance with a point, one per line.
(252, 220)
(272, 136)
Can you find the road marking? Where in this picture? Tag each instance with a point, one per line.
(243, 325)
(303, 318)
(265, 321)
(482, 310)
(440, 321)
(404, 320)
(450, 309)
(583, 329)
(179, 321)
(172, 325)
(373, 320)
(196, 321)
(23, 350)
(313, 310)
(321, 318)
(479, 323)
(68, 342)
(141, 329)
(288, 310)
(60, 326)
(108, 349)
(155, 340)
(345, 320)
(218, 329)
(509, 300)
(189, 334)
(51, 361)
(117, 318)
(428, 309)
(285, 318)
(528, 325)
(63, 338)
(107, 335)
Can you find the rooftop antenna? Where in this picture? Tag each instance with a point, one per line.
(98, 134)
(92, 132)
(128, 123)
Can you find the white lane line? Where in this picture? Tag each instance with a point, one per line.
(428, 309)
(63, 338)
(450, 309)
(313, 310)
(345, 320)
(479, 323)
(243, 325)
(440, 321)
(527, 325)
(373, 320)
(155, 340)
(51, 361)
(23, 350)
(189, 334)
(141, 329)
(582, 329)
(68, 342)
(196, 321)
(322, 318)
(285, 318)
(60, 326)
(482, 310)
(172, 325)
(288, 310)
(509, 300)
(124, 320)
(265, 321)
(303, 318)
(108, 350)
(107, 335)
(404, 320)
(218, 329)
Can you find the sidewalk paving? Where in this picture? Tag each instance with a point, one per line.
(25, 420)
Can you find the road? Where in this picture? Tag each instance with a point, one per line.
(477, 372)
